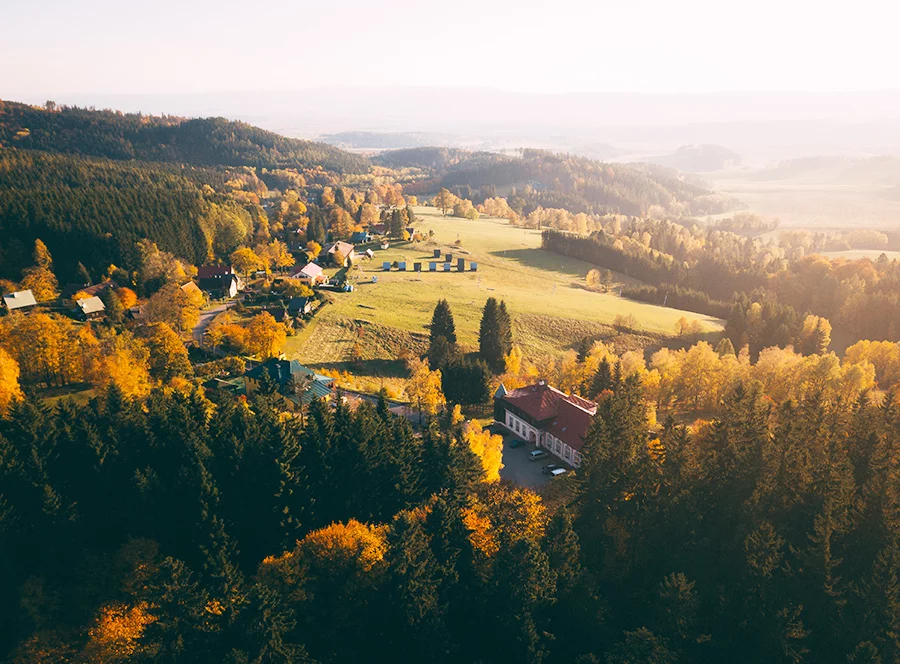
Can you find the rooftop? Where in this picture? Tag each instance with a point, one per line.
(566, 416)
(19, 299)
(91, 305)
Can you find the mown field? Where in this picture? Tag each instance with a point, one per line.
(544, 292)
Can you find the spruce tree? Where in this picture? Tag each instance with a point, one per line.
(442, 323)
(495, 334)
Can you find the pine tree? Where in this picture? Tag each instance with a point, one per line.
(495, 334)
(442, 323)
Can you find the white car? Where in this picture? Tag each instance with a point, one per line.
(537, 454)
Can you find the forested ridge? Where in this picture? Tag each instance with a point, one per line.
(545, 179)
(201, 141)
(94, 211)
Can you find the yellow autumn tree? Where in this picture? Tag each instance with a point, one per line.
(487, 447)
(265, 336)
(245, 260)
(117, 631)
(424, 387)
(123, 361)
(39, 278)
(9, 381)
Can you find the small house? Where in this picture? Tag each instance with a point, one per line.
(90, 308)
(219, 281)
(460, 264)
(310, 274)
(378, 229)
(417, 267)
(437, 253)
(341, 253)
(22, 301)
(448, 258)
(300, 305)
(473, 267)
(361, 237)
(446, 267)
(296, 383)
(386, 266)
(432, 267)
(68, 293)
(369, 253)
(401, 266)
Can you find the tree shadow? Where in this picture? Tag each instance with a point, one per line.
(544, 260)
(375, 368)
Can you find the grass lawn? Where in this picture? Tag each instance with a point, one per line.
(542, 290)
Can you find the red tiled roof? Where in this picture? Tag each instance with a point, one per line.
(565, 416)
(539, 401)
(571, 423)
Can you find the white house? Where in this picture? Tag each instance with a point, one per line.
(546, 417)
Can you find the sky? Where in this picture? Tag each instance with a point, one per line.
(55, 48)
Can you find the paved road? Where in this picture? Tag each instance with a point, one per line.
(206, 318)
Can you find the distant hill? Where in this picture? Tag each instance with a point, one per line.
(203, 142)
(373, 140)
(552, 180)
(699, 158)
(867, 171)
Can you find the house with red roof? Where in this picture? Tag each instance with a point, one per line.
(548, 418)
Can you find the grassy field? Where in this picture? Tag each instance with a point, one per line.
(543, 291)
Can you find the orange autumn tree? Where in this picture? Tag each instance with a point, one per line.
(9, 381)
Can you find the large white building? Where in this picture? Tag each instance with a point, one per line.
(550, 419)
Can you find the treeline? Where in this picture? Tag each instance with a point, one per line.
(205, 142)
(678, 298)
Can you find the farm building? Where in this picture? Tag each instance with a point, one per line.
(19, 301)
(361, 237)
(546, 417)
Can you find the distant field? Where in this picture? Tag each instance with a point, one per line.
(853, 254)
(815, 206)
(542, 290)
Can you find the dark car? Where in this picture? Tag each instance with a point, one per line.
(516, 442)
(549, 468)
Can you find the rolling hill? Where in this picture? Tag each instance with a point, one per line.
(200, 142)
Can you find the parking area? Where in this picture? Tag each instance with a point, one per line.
(516, 465)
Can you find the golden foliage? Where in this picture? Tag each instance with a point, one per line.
(424, 387)
(346, 545)
(487, 447)
(9, 381)
(117, 632)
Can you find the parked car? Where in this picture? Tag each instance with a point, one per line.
(556, 472)
(516, 442)
(537, 454)
(549, 468)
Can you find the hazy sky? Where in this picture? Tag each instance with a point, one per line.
(59, 47)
